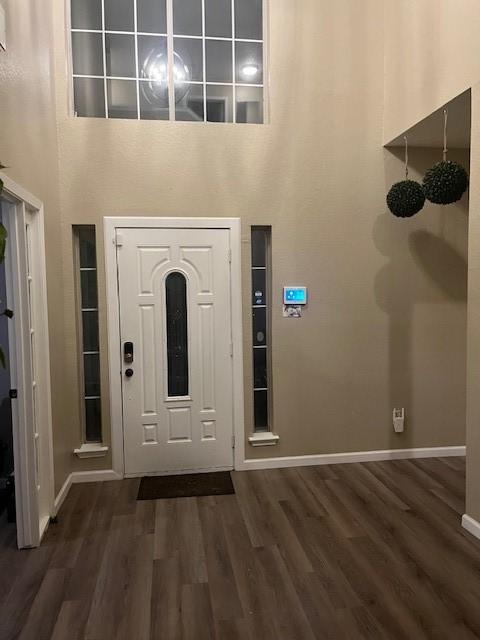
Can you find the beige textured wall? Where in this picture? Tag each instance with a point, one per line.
(473, 335)
(386, 321)
(431, 56)
(28, 145)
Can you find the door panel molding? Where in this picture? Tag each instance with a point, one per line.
(112, 235)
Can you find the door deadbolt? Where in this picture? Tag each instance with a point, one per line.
(128, 352)
(129, 373)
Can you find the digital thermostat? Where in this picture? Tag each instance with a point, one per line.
(294, 295)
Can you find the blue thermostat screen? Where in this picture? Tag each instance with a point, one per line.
(295, 295)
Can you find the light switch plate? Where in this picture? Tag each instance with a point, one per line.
(3, 28)
(399, 420)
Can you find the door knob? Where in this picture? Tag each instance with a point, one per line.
(129, 373)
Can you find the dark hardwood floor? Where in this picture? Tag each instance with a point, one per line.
(359, 551)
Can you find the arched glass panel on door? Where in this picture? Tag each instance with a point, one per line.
(177, 334)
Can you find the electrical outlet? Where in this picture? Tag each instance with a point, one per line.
(399, 420)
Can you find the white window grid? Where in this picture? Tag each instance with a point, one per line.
(171, 36)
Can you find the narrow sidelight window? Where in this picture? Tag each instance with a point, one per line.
(261, 304)
(177, 334)
(87, 312)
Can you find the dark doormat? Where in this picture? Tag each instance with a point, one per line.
(185, 486)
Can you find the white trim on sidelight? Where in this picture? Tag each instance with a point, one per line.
(91, 450)
(263, 438)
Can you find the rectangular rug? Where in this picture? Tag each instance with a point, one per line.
(190, 485)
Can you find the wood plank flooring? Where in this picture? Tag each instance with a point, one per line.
(358, 551)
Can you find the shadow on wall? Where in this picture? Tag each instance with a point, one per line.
(427, 266)
(441, 263)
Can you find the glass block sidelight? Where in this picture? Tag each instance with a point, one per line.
(87, 296)
(261, 305)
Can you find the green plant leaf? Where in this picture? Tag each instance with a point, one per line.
(3, 242)
(2, 359)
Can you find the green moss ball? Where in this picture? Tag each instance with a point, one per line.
(445, 182)
(406, 198)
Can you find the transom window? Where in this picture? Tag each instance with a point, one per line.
(190, 60)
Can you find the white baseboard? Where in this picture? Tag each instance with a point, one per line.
(291, 461)
(345, 458)
(82, 476)
(44, 522)
(94, 476)
(181, 472)
(62, 494)
(471, 525)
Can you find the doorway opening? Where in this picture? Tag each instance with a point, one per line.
(7, 475)
(25, 435)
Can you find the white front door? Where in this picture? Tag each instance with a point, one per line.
(175, 328)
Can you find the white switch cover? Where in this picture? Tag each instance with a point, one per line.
(3, 29)
(398, 420)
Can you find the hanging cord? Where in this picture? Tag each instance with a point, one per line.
(445, 123)
(406, 157)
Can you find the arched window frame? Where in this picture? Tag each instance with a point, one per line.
(177, 336)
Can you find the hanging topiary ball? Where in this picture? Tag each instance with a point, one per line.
(406, 198)
(445, 182)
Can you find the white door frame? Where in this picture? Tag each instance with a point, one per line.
(30, 448)
(111, 225)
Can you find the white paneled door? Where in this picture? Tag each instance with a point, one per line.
(175, 327)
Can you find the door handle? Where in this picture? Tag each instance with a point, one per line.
(128, 352)
(129, 373)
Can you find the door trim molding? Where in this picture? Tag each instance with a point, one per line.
(31, 515)
(110, 225)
